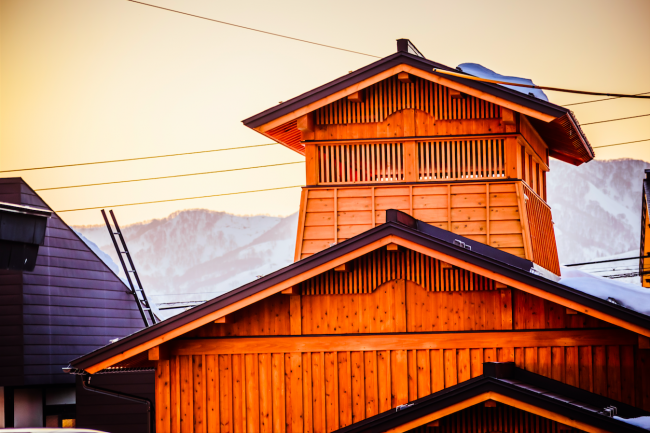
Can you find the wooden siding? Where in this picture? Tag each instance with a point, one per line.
(400, 306)
(502, 419)
(542, 234)
(484, 212)
(461, 159)
(105, 413)
(390, 95)
(71, 304)
(323, 391)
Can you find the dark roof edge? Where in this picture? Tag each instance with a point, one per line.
(347, 246)
(386, 63)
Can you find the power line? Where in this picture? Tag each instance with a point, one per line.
(255, 30)
(614, 120)
(178, 199)
(137, 159)
(533, 86)
(618, 144)
(607, 261)
(599, 100)
(169, 177)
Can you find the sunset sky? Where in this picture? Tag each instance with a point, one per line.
(94, 80)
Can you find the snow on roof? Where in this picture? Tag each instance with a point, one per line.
(483, 72)
(642, 421)
(626, 295)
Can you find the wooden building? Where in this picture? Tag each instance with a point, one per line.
(63, 303)
(425, 248)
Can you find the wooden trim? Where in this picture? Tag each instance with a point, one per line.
(394, 71)
(491, 395)
(531, 151)
(311, 164)
(301, 224)
(406, 341)
(519, 285)
(416, 138)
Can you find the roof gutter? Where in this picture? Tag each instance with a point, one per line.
(85, 383)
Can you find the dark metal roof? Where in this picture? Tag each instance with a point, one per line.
(397, 224)
(522, 385)
(564, 130)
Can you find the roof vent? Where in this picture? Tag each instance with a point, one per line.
(609, 411)
(406, 46)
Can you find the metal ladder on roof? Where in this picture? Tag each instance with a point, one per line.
(137, 291)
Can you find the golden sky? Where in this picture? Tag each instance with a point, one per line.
(93, 80)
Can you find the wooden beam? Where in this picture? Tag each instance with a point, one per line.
(356, 97)
(490, 403)
(571, 311)
(392, 247)
(390, 341)
(223, 319)
(311, 164)
(291, 291)
(508, 116)
(644, 342)
(455, 94)
(305, 123)
(158, 353)
(435, 423)
(498, 285)
(404, 77)
(445, 265)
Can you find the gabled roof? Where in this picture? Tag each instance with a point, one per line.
(507, 384)
(400, 229)
(556, 124)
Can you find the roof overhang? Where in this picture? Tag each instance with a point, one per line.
(400, 230)
(512, 386)
(565, 131)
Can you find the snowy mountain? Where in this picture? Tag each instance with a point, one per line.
(199, 254)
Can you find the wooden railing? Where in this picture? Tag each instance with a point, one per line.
(361, 163)
(542, 235)
(461, 159)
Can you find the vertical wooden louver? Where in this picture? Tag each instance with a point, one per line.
(388, 96)
(350, 163)
(542, 234)
(461, 159)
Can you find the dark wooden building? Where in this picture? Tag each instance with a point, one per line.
(70, 304)
(425, 248)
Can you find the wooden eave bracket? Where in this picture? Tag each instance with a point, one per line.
(356, 97)
(158, 353)
(345, 267)
(392, 247)
(456, 94)
(508, 116)
(404, 77)
(291, 291)
(306, 123)
(223, 319)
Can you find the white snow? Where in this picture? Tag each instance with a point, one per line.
(642, 421)
(627, 295)
(483, 72)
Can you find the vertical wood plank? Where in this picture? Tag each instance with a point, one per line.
(557, 363)
(476, 362)
(506, 308)
(175, 395)
(252, 382)
(318, 393)
(384, 380)
(331, 391)
(345, 389)
(358, 387)
(614, 372)
(586, 368)
(163, 395)
(297, 415)
(412, 374)
(226, 397)
(307, 393)
(599, 359)
(451, 372)
(424, 372)
(544, 361)
(437, 370)
(572, 375)
(370, 373)
(212, 392)
(238, 396)
(198, 394)
(295, 313)
(400, 306)
(627, 375)
(398, 377)
(187, 411)
(463, 363)
(279, 397)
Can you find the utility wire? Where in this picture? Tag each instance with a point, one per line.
(252, 29)
(169, 177)
(614, 120)
(599, 100)
(179, 199)
(137, 159)
(607, 261)
(618, 144)
(533, 86)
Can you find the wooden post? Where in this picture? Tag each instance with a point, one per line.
(513, 169)
(410, 162)
(311, 163)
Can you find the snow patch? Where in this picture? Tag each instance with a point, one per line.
(483, 72)
(626, 295)
(642, 421)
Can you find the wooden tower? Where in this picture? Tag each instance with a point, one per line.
(457, 154)
(396, 292)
